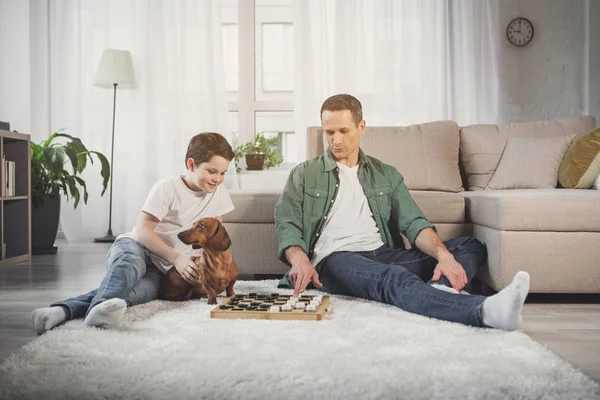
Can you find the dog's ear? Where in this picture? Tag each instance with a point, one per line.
(221, 240)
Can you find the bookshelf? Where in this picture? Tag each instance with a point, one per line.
(15, 211)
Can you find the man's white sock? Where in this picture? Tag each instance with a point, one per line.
(503, 310)
(108, 312)
(47, 318)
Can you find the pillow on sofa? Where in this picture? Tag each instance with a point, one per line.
(481, 145)
(530, 163)
(581, 165)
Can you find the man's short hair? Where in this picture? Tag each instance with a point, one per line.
(205, 145)
(341, 102)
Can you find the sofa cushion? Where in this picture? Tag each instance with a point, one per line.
(581, 165)
(256, 207)
(481, 146)
(555, 210)
(425, 154)
(253, 207)
(440, 207)
(530, 163)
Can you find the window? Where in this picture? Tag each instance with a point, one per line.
(258, 41)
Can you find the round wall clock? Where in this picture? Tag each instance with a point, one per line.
(519, 31)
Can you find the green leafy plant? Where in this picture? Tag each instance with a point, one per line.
(49, 175)
(260, 146)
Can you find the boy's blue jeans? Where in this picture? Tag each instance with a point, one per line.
(399, 277)
(130, 275)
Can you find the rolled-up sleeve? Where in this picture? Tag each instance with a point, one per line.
(288, 214)
(407, 214)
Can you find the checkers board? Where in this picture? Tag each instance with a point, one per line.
(272, 306)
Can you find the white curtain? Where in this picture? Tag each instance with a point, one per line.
(407, 61)
(177, 52)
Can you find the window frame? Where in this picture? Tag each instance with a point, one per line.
(247, 105)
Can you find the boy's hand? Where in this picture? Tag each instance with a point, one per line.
(187, 268)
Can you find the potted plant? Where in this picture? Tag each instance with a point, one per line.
(50, 177)
(261, 153)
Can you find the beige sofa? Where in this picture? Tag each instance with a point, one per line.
(554, 234)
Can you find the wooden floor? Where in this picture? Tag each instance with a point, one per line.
(569, 329)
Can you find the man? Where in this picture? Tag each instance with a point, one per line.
(339, 221)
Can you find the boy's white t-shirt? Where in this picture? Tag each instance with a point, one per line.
(177, 207)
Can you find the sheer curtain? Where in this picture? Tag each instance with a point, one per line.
(408, 61)
(177, 51)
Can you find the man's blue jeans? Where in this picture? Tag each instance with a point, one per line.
(130, 275)
(401, 277)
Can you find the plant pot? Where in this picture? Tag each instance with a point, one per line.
(44, 223)
(255, 162)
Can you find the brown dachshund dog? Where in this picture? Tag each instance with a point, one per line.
(217, 269)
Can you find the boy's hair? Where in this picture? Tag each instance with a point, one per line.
(341, 102)
(205, 145)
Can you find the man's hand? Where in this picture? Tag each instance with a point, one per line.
(452, 270)
(187, 268)
(301, 275)
(302, 271)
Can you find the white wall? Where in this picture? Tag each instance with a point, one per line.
(15, 99)
(547, 79)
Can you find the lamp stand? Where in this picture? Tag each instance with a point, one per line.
(109, 238)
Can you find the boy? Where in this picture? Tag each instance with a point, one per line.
(137, 260)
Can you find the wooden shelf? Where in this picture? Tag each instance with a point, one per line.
(14, 260)
(14, 198)
(15, 211)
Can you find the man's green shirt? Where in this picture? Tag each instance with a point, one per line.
(312, 188)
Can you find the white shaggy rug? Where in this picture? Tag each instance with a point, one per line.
(364, 350)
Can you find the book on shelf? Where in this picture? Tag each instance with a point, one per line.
(8, 178)
(13, 175)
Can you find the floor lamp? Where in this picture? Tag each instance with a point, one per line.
(115, 69)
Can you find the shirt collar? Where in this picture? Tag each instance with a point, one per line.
(329, 162)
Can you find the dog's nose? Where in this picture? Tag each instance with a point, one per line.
(180, 235)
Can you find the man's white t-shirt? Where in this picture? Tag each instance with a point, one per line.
(350, 225)
(177, 207)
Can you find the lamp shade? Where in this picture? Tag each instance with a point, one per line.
(115, 66)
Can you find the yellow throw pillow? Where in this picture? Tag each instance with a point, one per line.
(581, 164)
